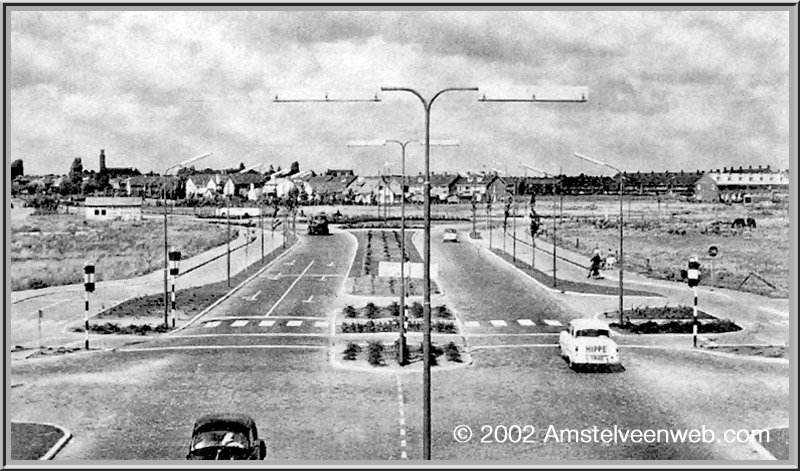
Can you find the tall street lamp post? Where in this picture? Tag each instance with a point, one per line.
(575, 95)
(426, 306)
(621, 222)
(401, 354)
(166, 242)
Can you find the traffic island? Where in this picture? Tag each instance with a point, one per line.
(374, 247)
(380, 355)
(144, 315)
(34, 441)
(667, 320)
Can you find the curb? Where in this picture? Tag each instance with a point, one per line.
(233, 290)
(51, 453)
(559, 291)
(758, 448)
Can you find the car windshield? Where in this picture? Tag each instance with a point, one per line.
(450, 231)
(592, 333)
(219, 438)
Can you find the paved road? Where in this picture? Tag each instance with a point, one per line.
(139, 403)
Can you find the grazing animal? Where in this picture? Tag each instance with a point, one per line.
(738, 222)
(751, 223)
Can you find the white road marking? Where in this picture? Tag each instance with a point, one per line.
(255, 296)
(498, 323)
(266, 323)
(321, 324)
(249, 334)
(239, 323)
(401, 409)
(290, 263)
(217, 347)
(552, 323)
(525, 322)
(309, 299)
(294, 323)
(472, 324)
(211, 324)
(288, 290)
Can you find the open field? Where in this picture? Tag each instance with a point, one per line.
(659, 239)
(50, 250)
(659, 236)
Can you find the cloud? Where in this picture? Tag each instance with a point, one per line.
(666, 89)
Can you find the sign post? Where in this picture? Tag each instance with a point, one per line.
(712, 252)
(40, 330)
(88, 284)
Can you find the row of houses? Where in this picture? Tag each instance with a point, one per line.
(343, 186)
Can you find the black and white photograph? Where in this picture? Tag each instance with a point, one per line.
(442, 234)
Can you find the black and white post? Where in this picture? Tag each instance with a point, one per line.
(174, 264)
(88, 284)
(693, 279)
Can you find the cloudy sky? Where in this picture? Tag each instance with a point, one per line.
(668, 90)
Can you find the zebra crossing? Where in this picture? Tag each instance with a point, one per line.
(294, 323)
(499, 323)
(264, 323)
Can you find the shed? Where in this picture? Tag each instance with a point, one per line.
(106, 209)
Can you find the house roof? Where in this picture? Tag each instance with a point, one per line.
(112, 201)
(246, 178)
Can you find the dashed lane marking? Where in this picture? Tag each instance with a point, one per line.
(211, 324)
(239, 323)
(294, 323)
(321, 324)
(498, 323)
(525, 322)
(472, 324)
(553, 323)
(266, 323)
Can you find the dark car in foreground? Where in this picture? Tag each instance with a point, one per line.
(226, 437)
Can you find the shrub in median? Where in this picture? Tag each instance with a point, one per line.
(349, 311)
(452, 353)
(416, 310)
(375, 353)
(371, 311)
(351, 351)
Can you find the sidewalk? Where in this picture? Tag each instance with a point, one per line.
(63, 306)
(765, 320)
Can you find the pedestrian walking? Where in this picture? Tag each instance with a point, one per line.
(595, 261)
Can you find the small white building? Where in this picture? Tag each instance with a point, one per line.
(107, 209)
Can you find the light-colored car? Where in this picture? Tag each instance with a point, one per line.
(588, 342)
(450, 235)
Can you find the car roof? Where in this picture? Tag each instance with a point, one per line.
(589, 324)
(450, 229)
(225, 420)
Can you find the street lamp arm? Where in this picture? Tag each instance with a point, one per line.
(410, 90)
(456, 89)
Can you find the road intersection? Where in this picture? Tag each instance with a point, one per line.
(266, 351)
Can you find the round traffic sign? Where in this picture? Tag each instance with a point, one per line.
(713, 251)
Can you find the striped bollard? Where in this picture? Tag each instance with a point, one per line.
(88, 284)
(174, 262)
(693, 279)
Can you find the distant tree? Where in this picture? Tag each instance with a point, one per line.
(76, 170)
(295, 168)
(271, 170)
(17, 169)
(186, 171)
(241, 166)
